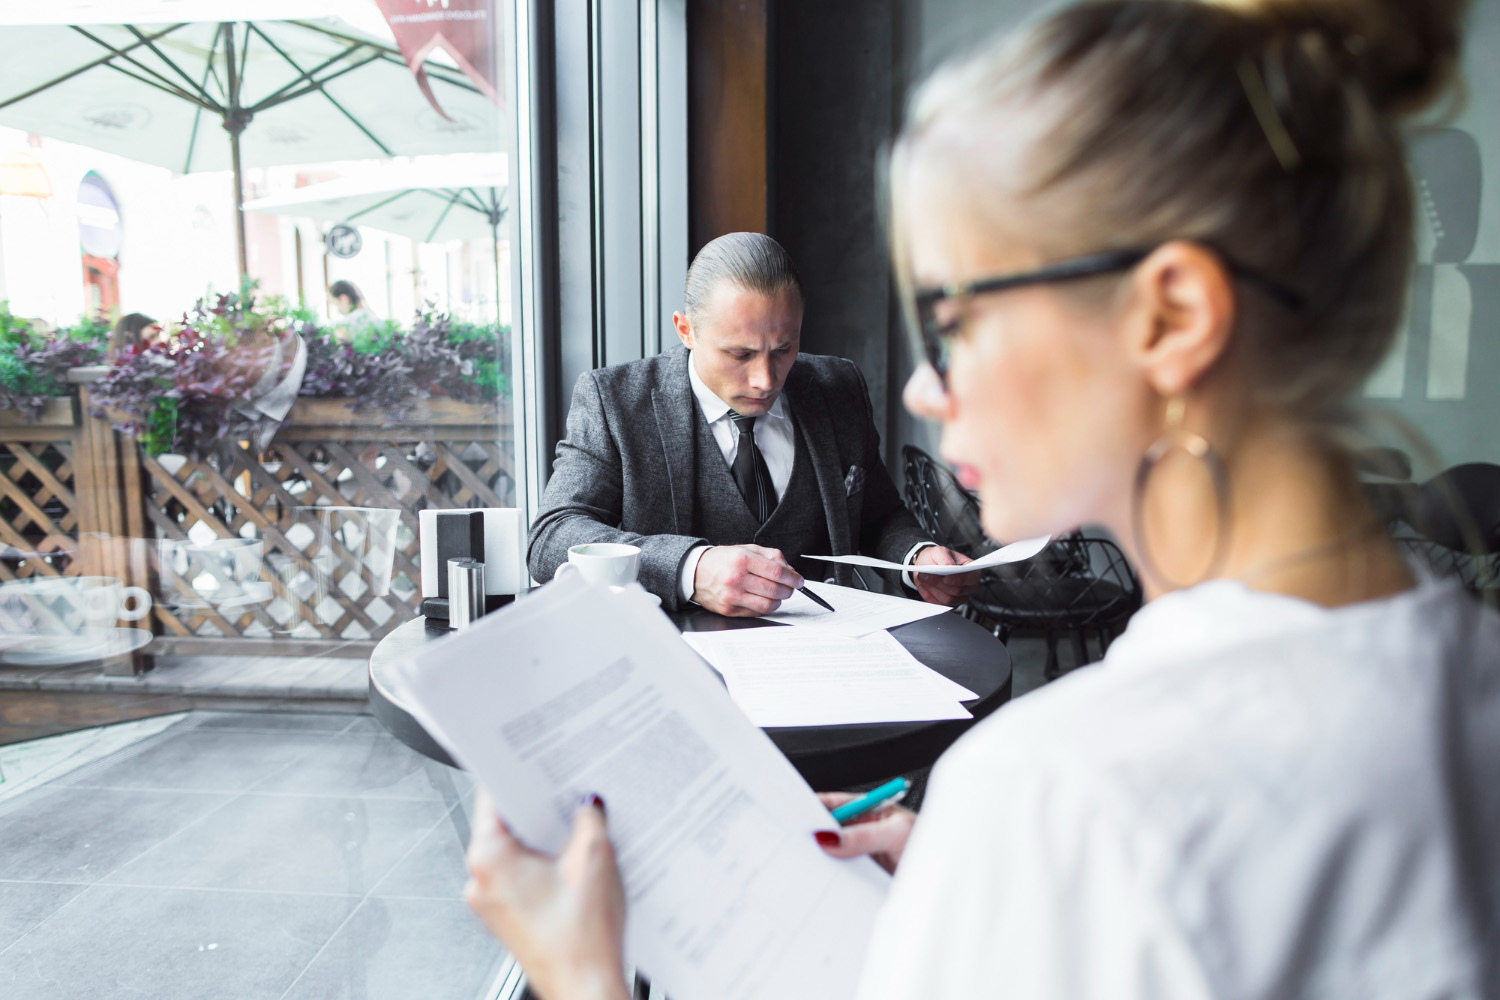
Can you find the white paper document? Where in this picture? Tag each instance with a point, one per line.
(1014, 552)
(803, 677)
(855, 612)
(728, 894)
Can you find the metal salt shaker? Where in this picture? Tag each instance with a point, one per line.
(465, 592)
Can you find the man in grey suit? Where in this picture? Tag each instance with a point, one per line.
(729, 457)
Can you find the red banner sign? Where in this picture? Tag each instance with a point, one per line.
(468, 30)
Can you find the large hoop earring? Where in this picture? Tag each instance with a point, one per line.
(1195, 444)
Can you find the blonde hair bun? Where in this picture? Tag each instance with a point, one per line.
(1406, 52)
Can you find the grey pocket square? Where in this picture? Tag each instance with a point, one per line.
(854, 480)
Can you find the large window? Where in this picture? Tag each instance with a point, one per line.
(262, 309)
(270, 292)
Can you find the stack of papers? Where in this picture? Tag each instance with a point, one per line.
(727, 892)
(806, 677)
(855, 612)
(860, 612)
(1014, 552)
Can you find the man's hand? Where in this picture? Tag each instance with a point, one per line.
(743, 581)
(563, 918)
(944, 590)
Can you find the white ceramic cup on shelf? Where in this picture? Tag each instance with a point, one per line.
(221, 571)
(69, 605)
(613, 564)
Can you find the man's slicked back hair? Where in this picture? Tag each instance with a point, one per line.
(752, 261)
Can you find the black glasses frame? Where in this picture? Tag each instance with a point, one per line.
(935, 335)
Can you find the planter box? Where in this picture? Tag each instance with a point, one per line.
(58, 412)
(436, 412)
(335, 413)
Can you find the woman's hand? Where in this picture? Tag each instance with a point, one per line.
(562, 918)
(881, 834)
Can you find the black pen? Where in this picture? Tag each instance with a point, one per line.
(815, 597)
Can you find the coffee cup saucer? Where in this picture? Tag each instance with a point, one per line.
(91, 644)
(255, 592)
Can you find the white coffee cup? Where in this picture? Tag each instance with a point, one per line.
(613, 564)
(70, 604)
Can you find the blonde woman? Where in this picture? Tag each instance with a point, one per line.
(1153, 247)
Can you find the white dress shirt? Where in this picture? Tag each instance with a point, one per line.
(1251, 796)
(774, 434)
(776, 438)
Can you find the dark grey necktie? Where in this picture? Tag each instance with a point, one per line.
(750, 472)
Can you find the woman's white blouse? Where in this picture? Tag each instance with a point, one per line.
(1251, 796)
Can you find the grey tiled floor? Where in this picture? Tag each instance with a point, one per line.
(1028, 663)
(296, 677)
(247, 856)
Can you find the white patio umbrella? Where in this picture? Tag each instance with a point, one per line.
(428, 202)
(285, 91)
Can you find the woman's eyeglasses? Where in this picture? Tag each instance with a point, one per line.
(937, 333)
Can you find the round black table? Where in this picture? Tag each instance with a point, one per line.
(828, 757)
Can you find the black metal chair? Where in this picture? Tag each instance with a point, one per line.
(1453, 527)
(1077, 586)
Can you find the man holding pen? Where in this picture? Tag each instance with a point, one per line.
(729, 457)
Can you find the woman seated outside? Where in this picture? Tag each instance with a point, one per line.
(1154, 248)
(352, 311)
(133, 330)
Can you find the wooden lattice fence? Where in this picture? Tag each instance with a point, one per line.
(78, 498)
(39, 505)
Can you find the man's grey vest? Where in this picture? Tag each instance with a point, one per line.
(797, 526)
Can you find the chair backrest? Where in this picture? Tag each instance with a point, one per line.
(1078, 582)
(1477, 573)
(1460, 507)
(1075, 579)
(944, 509)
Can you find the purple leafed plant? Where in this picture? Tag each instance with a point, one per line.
(185, 395)
(34, 366)
(378, 381)
(182, 395)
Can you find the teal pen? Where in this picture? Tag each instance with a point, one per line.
(888, 794)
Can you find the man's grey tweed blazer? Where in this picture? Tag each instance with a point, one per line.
(625, 469)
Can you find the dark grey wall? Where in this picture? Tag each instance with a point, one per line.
(842, 70)
(940, 29)
(832, 96)
(932, 31)
(1443, 375)
(839, 74)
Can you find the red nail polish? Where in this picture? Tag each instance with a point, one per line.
(596, 802)
(827, 838)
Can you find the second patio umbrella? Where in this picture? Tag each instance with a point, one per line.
(430, 203)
